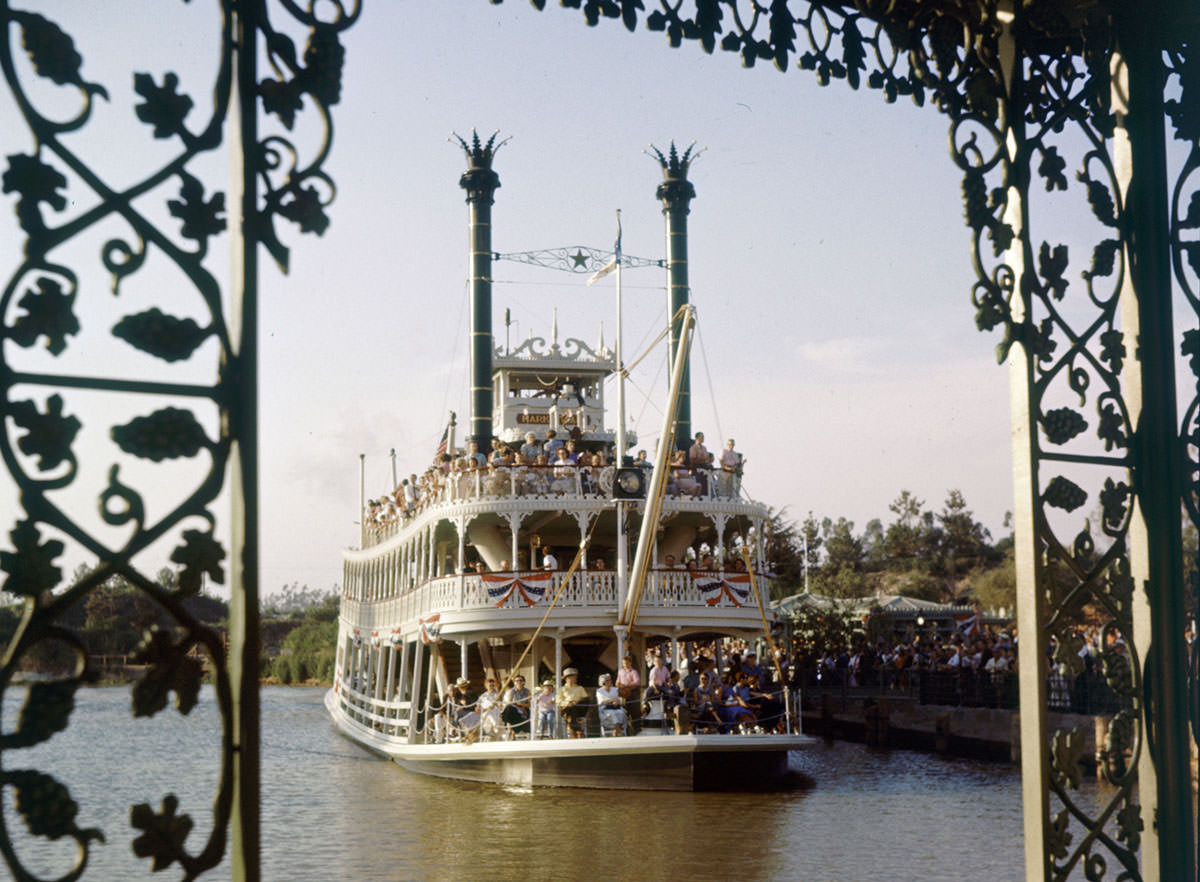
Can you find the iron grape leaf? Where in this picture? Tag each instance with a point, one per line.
(34, 182)
(1058, 837)
(1192, 219)
(165, 434)
(163, 833)
(1191, 347)
(164, 108)
(1112, 427)
(201, 218)
(30, 568)
(629, 11)
(1066, 652)
(199, 554)
(1068, 748)
(304, 209)
(1112, 502)
(1192, 250)
(171, 670)
(1052, 168)
(47, 710)
(161, 335)
(1112, 349)
(47, 436)
(49, 314)
(1052, 263)
(1130, 825)
(52, 52)
(282, 98)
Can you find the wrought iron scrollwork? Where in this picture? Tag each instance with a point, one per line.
(167, 218)
(1029, 91)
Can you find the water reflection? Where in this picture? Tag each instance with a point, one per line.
(332, 811)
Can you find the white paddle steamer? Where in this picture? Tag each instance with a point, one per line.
(454, 585)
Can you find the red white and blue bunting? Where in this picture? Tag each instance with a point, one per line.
(431, 628)
(530, 588)
(967, 623)
(735, 586)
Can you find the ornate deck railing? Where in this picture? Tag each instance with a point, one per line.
(585, 591)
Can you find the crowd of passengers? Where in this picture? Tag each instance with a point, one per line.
(552, 468)
(696, 697)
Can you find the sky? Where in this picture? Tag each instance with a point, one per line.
(829, 263)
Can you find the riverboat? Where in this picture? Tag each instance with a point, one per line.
(522, 567)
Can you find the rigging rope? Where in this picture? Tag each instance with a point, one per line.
(712, 396)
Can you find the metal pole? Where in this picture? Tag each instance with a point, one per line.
(622, 533)
(362, 500)
(244, 223)
(395, 483)
(1155, 541)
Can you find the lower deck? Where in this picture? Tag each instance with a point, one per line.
(637, 762)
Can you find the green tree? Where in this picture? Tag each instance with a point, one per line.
(784, 553)
(964, 540)
(902, 541)
(842, 574)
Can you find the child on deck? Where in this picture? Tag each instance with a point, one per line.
(545, 707)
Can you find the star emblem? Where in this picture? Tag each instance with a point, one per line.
(580, 259)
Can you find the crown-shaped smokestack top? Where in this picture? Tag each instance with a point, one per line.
(479, 155)
(674, 166)
(676, 191)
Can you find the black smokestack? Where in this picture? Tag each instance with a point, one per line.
(481, 183)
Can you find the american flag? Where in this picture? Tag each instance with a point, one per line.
(444, 444)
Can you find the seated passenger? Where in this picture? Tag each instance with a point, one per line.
(702, 701)
(611, 706)
(571, 703)
(735, 696)
(488, 708)
(516, 707)
(462, 710)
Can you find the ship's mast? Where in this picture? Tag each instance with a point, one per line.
(622, 540)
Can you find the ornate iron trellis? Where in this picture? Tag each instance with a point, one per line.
(1028, 86)
(164, 217)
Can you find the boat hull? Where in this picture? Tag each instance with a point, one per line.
(638, 762)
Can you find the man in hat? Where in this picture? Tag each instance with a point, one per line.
(516, 706)
(571, 703)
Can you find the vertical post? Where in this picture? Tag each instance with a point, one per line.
(245, 858)
(414, 694)
(362, 500)
(1148, 381)
(481, 183)
(1031, 612)
(558, 636)
(676, 193)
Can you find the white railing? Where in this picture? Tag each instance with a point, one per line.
(543, 482)
(387, 717)
(587, 589)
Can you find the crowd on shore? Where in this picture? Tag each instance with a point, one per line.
(1089, 668)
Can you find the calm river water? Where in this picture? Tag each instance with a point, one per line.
(333, 812)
